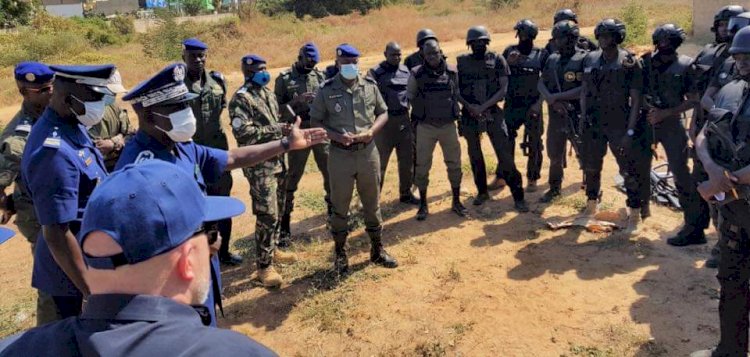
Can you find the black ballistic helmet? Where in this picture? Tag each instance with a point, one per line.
(675, 34)
(566, 28)
(527, 27)
(424, 35)
(741, 42)
(726, 13)
(736, 23)
(613, 27)
(477, 33)
(565, 14)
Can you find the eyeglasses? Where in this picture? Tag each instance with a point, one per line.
(42, 90)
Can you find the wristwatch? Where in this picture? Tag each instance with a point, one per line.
(631, 132)
(285, 143)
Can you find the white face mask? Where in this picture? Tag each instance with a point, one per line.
(183, 125)
(93, 112)
(349, 71)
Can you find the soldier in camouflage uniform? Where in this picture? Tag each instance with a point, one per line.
(297, 87)
(34, 81)
(114, 130)
(255, 120)
(207, 108)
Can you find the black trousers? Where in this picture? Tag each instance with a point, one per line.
(223, 187)
(517, 115)
(734, 300)
(503, 147)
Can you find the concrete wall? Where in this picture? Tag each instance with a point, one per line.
(111, 7)
(67, 10)
(703, 14)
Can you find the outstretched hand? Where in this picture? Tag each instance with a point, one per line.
(305, 138)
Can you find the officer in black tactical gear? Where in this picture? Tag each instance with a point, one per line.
(483, 82)
(525, 62)
(560, 86)
(392, 78)
(667, 78)
(610, 98)
(722, 146)
(416, 58)
(581, 42)
(708, 63)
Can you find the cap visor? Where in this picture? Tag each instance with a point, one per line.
(220, 207)
(6, 234)
(116, 88)
(183, 98)
(102, 90)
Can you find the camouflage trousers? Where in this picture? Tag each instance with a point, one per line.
(26, 218)
(267, 192)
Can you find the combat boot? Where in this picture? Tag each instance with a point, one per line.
(715, 259)
(481, 199)
(457, 207)
(634, 219)
(282, 257)
(496, 184)
(285, 232)
(645, 210)
(591, 208)
(340, 262)
(378, 255)
(521, 206)
(409, 198)
(687, 236)
(423, 211)
(550, 195)
(267, 276)
(531, 186)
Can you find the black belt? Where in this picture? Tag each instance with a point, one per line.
(352, 147)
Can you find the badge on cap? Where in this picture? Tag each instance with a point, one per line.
(179, 73)
(236, 123)
(339, 52)
(337, 108)
(30, 77)
(570, 76)
(249, 61)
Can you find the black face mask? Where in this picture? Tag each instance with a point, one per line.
(479, 49)
(525, 47)
(302, 68)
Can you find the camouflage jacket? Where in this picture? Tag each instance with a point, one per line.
(115, 122)
(12, 143)
(291, 83)
(207, 109)
(254, 113)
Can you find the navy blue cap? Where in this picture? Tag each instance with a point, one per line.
(93, 76)
(166, 87)
(6, 234)
(252, 59)
(33, 72)
(346, 50)
(194, 44)
(163, 206)
(310, 51)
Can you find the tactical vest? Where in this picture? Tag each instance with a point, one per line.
(524, 76)
(606, 87)
(725, 73)
(392, 85)
(708, 62)
(571, 75)
(478, 79)
(436, 102)
(665, 89)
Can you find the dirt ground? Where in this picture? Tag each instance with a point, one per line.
(497, 284)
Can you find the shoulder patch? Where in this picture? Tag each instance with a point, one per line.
(370, 80)
(53, 141)
(23, 127)
(327, 82)
(143, 156)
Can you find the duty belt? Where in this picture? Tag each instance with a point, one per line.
(352, 147)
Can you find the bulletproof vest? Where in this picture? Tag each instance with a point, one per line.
(478, 79)
(665, 89)
(606, 82)
(392, 85)
(435, 101)
(569, 76)
(524, 76)
(708, 62)
(725, 73)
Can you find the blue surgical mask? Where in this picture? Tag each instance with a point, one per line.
(261, 78)
(109, 99)
(349, 71)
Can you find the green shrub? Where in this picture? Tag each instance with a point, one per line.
(192, 7)
(123, 25)
(636, 21)
(165, 41)
(500, 4)
(16, 13)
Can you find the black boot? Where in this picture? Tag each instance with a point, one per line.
(550, 195)
(457, 207)
(645, 210)
(481, 199)
(285, 232)
(687, 236)
(409, 198)
(341, 262)
(225, 257)
(378, 255)
(715, 259)
(422, 212)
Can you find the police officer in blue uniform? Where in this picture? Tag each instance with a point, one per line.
(147, 282)
(722, 146)
(522, 102)
(61, 167)
(166, 126)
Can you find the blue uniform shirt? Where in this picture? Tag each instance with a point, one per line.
(131, 325)
(204, 163)
(60, 167)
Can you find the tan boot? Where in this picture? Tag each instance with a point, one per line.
(634, 219)
(268, 277)
(592, 207)
(280, 256)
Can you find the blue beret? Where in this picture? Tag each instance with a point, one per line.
(252, 59)
(346, 50)
(166, 87)
(95, 77)
(311, 51)
(194, 44)
(33, 72)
